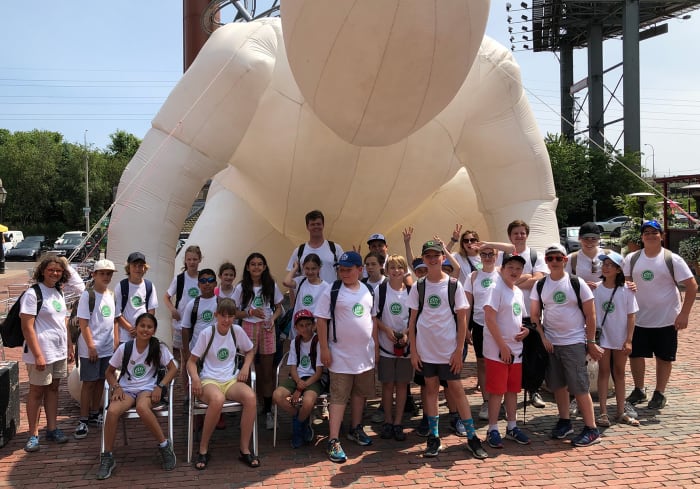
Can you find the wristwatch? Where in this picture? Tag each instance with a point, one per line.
(161, 386)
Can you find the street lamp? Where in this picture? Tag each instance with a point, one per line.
(642, 198)
(653, 160)
(3, 197)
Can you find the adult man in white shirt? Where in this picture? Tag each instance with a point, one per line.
(328, 251)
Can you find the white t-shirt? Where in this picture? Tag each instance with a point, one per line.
(436, 331)
(189, 292)
(657, 294)
(325, 254)
(205, 317)
(304, 369)
(624, 303)
(258, 301)
(564, 323)
(466, 268)
(135, 304)
(140, 376)
(483, 283)
(540, 266)
(220, 363)
(589, 269)
(353, 353)
(509, 305)
(395, 315)
(49, 324)
(307, 297)
(101, 323)
(223, 295)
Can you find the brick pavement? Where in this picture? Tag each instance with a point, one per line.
(663, 452)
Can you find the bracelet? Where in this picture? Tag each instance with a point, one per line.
(589, 342)
(453, 240)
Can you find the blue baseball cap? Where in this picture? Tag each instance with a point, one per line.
(651, 224)
(349, 259)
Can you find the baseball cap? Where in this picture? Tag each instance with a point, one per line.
(431, 246)
(589, 230)
(508, 257)
(376, 237)
(136, 256)
(447, 263)
(418, 263)
(651, 224)
(349, 259)
(303, 314)
(616, 258)
(103, 265)
(555, 248)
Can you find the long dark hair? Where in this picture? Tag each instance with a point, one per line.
(268, 283)
(153, 357)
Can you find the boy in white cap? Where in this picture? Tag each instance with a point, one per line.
(96, 343)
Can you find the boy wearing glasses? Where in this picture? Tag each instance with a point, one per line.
(568, 334)
(200, 312)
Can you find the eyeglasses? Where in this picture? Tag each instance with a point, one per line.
(470, 240)
(487, 255)
(209, 280)
(550, 258)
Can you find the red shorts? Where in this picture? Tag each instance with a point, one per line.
(502, 378)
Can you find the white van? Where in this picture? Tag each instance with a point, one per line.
(12, 238)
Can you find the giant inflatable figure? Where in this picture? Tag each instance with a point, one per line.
(381, 114)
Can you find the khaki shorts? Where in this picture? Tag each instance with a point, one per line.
(223, 386)
(53, 371)
(343, 386)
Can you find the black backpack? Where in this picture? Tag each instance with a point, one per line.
(451, 292)
(11, 328)
(124, 285)
(300, 251)
(335, 290)
(325, 376)
(159, 373)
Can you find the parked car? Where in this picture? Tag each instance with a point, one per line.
(12, 239)
(29, 249)
(568, 237)
(68, 234)
(71, 243)
(614, 224)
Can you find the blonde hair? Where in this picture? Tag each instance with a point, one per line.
(396, 260)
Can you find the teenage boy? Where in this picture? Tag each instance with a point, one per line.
(138, 291)
(503, 349)
(349, 349)
(567, 329)
(585, 263)
(96, 343)
(199, 313)
(438, 344)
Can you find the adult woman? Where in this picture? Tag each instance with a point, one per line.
(468, 255)
(48, 347)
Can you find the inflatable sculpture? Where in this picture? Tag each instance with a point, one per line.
(380, 114)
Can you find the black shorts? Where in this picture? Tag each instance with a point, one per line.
(659, 342)
(418, 379)
(478, 339)
(440, 370)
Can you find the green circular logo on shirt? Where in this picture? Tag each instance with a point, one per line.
(516, 309)
(647, 275)
(258, 301)
(222, 354)
(559, 297)
(307, 300)
(305, 361)
(207, 316)
(193, 292)
(395, 309)
(136, 301)
(358, 310)
(486, 283)
(106, 311)
(434, 301)
(608, 306)
(139, 370)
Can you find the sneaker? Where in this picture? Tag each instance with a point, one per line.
(411, 407)
(588, 436)
(433, 447)
(96, 419)
(484, 411)
(308, 431)
(269, 421)
(387, 432)
(335, 451)
(658, 401)
(517, 436)
(573, 408)
(493, 437)
(167, 456)
(536, 400)
(358, 435)
(637, 396)
(107, 465)
(399, 435)
(32, 444)
(562, 429)
(457, 425)
(474, 446)
(423, 428)
(56, 435)
(297, 433)
(81, 431)
(630, 411)
(378, 415)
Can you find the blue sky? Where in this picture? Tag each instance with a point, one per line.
(80, 65)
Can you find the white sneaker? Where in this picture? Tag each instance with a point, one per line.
(484, 411)
(270, 421)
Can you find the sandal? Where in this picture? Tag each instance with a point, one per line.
(603, 420)
(250, 460)
(202, 461)
(625, 418)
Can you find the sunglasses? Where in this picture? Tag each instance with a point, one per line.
(209, 280)
(557, 258)
(470, 240)
(487, 255)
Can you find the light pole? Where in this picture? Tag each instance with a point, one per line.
(653, 160)
(3, 197)
(642, 198)
(86, 209)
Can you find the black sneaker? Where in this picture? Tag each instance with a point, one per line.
(387, 432)
(638, 395)
(433, 447)
(474, 446)
(658, 401)
(399, 434)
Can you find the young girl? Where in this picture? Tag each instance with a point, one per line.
(259, 305)
(304, 290)
(227, 274)
(374, 266)
(181, 291)
(616, 308)
(137, 386)
(220, 379)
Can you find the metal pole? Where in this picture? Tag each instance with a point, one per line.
(653, 160)
(87, 188)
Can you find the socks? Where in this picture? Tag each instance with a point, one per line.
(469, 426)
(164, 444)
(511, 425)
(433, 425)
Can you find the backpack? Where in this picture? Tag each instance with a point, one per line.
(193, 315)
(575, 284)
(668, 258)
(159, 373)
(380, 309)
(573, 260)
(335, 290)
(124, 285)
(325, 376)
(300, 251)
(74, 322)
(11, 328)
(533, 257)
(451, 291)
(179, 289)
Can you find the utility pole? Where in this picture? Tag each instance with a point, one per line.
(86, 209)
